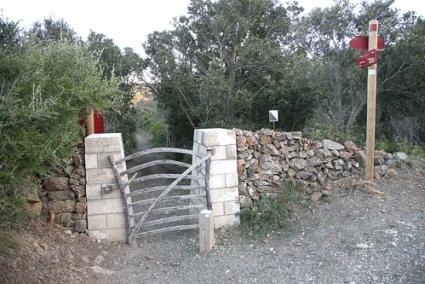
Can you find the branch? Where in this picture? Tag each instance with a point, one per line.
(185, 111)
(400, 70)
(187, 101)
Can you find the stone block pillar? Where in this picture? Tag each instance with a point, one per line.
(223, 178)
(105, 211)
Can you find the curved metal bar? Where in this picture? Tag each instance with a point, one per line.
(146, 190)
(168, 198)
(169, 229)
(161, 176)
(154, 163)
(169, 209)
(153, 151)
(171, 220)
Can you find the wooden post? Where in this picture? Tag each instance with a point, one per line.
(371, 103)
(206, 231)
(90, 123)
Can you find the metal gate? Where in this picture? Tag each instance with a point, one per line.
(167, 201)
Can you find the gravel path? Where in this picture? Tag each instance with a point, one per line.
(351, 237)
(143, 139)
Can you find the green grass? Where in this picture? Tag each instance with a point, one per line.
(274, 214)
(8, 244)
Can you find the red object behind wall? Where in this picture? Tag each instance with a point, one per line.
(99, 125)
(94, 122)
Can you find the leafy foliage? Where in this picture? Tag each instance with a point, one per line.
(401, 85)
(227, 62)
(222, 66)
(152, 119)
(50, 30)
(10, 36)
(46, 88)
(128, 66)
(400, 145)
(321, 130)
(341, 86)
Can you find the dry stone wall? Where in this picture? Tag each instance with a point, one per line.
(266, 158)
(64, 195)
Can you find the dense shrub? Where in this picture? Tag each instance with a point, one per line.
(325, 130)
(45, 90)
(400, 145)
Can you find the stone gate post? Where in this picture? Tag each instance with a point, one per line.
(105, 211)
(223, 178)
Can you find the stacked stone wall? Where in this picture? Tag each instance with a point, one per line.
(266, 158)
(64, 195)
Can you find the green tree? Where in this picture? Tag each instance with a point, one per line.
(10, 35)
(109, 54)
(401, 99)
(128, 66)
(341, 85)
(325, 35)
(52, 30)
(222, 65)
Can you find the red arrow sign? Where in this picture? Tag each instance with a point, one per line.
(359, 42)
(362, 42)
(370, 58)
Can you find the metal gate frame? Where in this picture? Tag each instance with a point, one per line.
(199, 161)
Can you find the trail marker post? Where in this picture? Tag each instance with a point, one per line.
(371, 101)
(273, 117)
(369, 59)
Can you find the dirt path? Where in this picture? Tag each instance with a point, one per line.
(352, 238)
(143, 139)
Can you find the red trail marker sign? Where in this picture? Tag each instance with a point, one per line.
(367, 59)
(362, 43)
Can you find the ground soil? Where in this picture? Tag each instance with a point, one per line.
(349, 237)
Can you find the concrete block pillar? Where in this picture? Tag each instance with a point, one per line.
(223, 178)
(105, 212)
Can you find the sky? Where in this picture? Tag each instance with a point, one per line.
(128, 22)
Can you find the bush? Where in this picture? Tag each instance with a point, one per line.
(123, 120)
(45, 90)
(273, 213)
(153, 121)
(399, 145)
(320, 130)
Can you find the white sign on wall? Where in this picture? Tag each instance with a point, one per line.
(273, 115)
